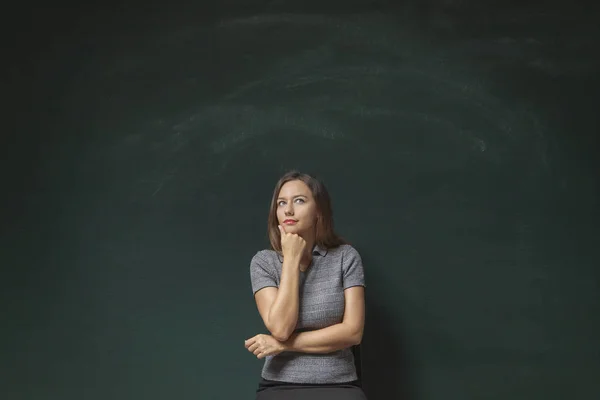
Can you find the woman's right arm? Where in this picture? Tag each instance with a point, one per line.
(278, 307)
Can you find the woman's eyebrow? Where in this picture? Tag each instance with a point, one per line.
(298, 195)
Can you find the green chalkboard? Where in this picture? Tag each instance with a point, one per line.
(457, 141)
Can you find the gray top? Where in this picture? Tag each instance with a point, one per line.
(321, 296)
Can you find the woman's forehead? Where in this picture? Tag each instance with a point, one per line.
(295, 188)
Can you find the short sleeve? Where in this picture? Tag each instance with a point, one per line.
(352, 268)
(261, 274)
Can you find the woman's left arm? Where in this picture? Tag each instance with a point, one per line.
(335, 337)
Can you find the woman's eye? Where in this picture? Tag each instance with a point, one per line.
(281, 203)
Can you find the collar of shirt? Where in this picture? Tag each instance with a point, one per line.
(317, 251)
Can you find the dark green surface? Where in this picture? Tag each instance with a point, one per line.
(458, 144)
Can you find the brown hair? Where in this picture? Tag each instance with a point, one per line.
(325, 236)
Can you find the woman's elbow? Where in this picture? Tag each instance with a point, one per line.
(357, 336)
(355, 340)
(281, 338)
(281, 333)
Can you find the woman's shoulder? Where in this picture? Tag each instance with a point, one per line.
(344, 249)
(264, 256)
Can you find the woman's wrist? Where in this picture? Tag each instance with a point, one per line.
(291, 262)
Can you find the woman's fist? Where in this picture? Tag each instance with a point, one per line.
(264, 345)
(292, 245)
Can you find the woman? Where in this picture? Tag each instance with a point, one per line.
(309, 291)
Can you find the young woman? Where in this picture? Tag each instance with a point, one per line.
(309, 290)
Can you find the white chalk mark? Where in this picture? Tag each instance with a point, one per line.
(480, 145)
(429, 92)
(157, 189)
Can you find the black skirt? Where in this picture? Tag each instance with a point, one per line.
(273, 390)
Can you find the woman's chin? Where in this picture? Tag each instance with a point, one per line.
(293, 228)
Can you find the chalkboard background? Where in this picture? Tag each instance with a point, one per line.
(142, 141)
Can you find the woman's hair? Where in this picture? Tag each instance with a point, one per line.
(325, 236)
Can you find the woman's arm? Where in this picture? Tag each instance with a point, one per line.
(335, 337)
(278, 307)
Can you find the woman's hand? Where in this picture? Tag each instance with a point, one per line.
(264, 345)
(292, 244)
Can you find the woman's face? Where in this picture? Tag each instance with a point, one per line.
(296, 208)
